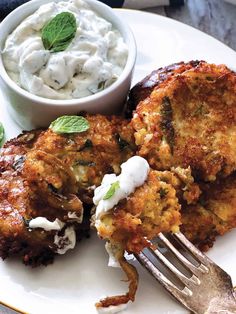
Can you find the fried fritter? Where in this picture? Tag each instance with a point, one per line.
(154, 207)
(187, 117)
(144, 88)
(20, 202)
(44, 174)
(213, 215)
(108, 142)
(151, 209)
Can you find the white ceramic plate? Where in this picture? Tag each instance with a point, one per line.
(76, 281)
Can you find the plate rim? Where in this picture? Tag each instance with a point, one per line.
(12, 308)
(160, 17)
(172, 20)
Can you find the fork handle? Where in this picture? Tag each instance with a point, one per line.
(223, 306)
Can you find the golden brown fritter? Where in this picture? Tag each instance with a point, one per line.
(108, 142)
(215, 213)
(144, 88)
(188, 118)
(20, 201)
(43, 174)
(153, 207)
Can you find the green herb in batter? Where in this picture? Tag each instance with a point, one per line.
(2, 134)
(163, 192)
(121, 142)
(88, 144)
(85, 163)
(26, 221)
(69, 124)
(166, 122)
(58, 33)
(114, 187)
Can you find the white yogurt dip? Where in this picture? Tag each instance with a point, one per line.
(65, 242)
(47, 225)
(134, 173)
(93, 61)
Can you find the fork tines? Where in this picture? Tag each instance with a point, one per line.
(189, 275)
(154, 250)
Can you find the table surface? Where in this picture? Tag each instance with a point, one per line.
(214, 17)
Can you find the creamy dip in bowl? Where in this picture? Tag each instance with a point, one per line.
(93, 73)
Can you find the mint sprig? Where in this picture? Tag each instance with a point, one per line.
(2, 134)
(114, 187)
(69, 124)
(58, 33)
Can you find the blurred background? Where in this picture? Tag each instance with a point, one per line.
(214, 17)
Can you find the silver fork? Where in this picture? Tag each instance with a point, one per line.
(206, 288)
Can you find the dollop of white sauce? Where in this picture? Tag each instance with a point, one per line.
(111, 250)
(65, 242)
(94, 59)
(112, 309)
(134, 173)
(44, 223)
(73, 216)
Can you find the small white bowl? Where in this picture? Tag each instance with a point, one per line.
(31, 111)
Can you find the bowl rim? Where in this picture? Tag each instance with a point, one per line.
(98, 6)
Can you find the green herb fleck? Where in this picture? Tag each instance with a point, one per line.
(52, 188)
(97, 88)
(18, 163)
(26, 221)
(210, 78)
(121, 142)
(101, 85)
(202, 202)
(58, 33)
(166, 122)
(69, 124)
(85, 163)
(114, 187)
(198, 111)
(2, 134)
(163, 192)
(201, 110)
(88, 144)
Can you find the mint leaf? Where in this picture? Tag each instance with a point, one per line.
(69, 124)
(2, 134)
(59, 32)
(114, 187)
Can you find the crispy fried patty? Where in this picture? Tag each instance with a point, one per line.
(21, 200)
(107, 143)
(154, 207)
(186, 116)
(44, 174)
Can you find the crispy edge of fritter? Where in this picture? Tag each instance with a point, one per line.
(213, 215)
(15, 238)
(151, 138)
(144, 88)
